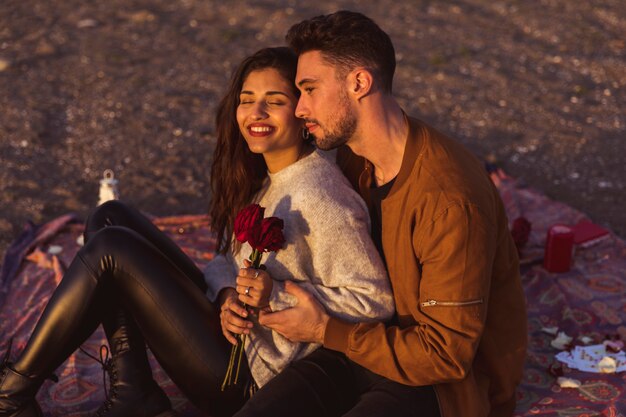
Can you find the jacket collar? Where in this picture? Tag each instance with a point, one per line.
(412, 150)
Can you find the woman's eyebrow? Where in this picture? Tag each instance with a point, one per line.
(269, 93)
(273, 93)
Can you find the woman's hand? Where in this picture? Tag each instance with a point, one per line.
(254, 286)
(232, 316)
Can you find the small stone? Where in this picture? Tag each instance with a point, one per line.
(4, 64)
(87, 23)
(44, 48)
(142, 16)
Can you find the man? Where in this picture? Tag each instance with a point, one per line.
(460, 330)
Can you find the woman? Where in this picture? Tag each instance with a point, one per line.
(141, 287)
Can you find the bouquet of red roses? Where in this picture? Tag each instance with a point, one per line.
(263, 235)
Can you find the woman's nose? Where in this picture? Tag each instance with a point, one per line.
(259, 111)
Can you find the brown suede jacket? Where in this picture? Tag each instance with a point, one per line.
(454, 270)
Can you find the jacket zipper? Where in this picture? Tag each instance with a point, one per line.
(432, 303)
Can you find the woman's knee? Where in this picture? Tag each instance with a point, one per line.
(111, 241)
(107, 214)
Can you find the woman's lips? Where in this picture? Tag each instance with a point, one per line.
(260, 130)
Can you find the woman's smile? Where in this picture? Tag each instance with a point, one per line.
(260, 130)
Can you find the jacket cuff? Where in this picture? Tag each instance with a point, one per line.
(337, 334)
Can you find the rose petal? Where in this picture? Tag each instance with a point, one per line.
(550, 330)
(568, 382)
(607, 365)
(613, 346)
(55, 249)
(248, 223)
(561, 341)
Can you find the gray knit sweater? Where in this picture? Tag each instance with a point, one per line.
(328, 251)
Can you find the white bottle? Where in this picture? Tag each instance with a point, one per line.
(108, 187)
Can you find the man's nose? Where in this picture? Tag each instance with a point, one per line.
(302, 110)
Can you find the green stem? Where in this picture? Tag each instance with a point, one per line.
(236, 351)
(255, 258)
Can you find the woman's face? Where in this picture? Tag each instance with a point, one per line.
(266, 115)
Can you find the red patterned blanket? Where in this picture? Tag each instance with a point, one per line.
(589, 300)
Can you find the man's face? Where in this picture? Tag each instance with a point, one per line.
(324, 103)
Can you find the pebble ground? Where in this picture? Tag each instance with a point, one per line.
(132, 85)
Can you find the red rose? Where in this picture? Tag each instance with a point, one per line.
(271, 238)
(248, 223)
(520, 232)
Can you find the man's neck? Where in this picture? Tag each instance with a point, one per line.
(381, 138)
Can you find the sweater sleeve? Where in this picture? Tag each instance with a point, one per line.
(219, 273)
(347, 274)
(456, 252)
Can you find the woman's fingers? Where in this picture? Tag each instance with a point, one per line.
(235, 307)
(229, 336)
(233, 325)
(254, 287)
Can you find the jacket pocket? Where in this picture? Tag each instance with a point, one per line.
(437, 303)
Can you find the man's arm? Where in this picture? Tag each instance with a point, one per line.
(456, 253)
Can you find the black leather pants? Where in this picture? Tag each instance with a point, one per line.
(128, 262)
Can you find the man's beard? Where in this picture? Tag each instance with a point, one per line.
(343, 129)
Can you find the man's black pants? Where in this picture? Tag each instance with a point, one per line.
(326, 384)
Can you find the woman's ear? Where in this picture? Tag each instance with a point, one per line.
(361, 83)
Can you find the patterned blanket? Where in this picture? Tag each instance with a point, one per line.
(588, 301)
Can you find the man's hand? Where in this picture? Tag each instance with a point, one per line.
(305, 322)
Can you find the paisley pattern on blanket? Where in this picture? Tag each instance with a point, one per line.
(589, 300)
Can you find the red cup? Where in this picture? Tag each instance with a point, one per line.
(559, 248)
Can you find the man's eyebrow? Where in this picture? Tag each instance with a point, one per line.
(306, 81)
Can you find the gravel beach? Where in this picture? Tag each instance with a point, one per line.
(538, 86)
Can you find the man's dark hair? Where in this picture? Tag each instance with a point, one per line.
(348, 40)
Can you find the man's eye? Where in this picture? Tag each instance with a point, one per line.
(309, 90)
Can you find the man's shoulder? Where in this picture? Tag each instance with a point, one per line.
(445, 172)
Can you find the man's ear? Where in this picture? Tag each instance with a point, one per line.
(361, 83)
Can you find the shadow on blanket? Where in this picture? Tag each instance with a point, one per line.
(589, 300)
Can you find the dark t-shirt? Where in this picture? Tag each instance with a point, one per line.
(377, 195)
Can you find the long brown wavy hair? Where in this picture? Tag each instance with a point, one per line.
(237, 174)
